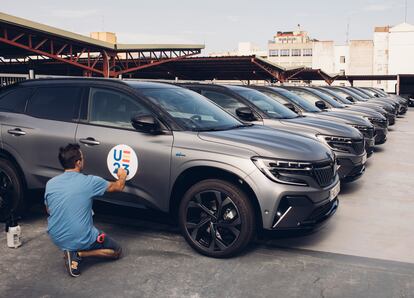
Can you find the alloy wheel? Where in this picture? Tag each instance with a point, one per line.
(213, 220)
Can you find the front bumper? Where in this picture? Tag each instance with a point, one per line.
(351, 167)
(403, 110)
(380, 135)
(271, 195)
(369, 146)
(391, 119)
(304, 215)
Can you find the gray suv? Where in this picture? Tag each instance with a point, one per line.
(222, 179)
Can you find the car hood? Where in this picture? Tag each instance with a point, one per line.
(324, 127)
(271, 143)
(342, 117)
(372, 106)
(358, 112)
(367, 112)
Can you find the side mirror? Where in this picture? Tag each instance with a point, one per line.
(245, 114)
(376, 95)
(290, 107)
(320, 104)
(350, 98)
(145, 123)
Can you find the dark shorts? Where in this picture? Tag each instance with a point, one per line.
(108, 243)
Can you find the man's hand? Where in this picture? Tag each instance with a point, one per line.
(120, 183)
(121, 173)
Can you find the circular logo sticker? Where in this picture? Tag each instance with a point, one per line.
(122, 156)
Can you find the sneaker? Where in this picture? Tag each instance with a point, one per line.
(72, 262)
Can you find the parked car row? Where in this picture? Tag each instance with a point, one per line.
(226, 160)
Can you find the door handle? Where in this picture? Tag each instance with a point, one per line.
(90, 141)
(16, 132)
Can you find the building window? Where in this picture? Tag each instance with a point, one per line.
(342, 72)
(379, 82)
(296, 52)
(307, 52)
(284, 52)
(273, 53)
(342, 59)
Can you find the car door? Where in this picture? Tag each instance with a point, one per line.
(109, 141)
(34, 137)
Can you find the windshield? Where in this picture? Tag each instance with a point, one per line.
(327, 98)
(380, 91)
(297, 100)
(369, 92)
(361, 97)
(347, 92)
(361, 93)
(272, 108)
(190, 109)
(336, 96)
(314, 96)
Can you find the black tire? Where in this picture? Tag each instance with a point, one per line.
(11, 191)
(216, 218)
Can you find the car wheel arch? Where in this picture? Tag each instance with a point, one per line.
(196, 174)
(8, 156)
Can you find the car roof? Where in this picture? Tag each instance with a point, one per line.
(150, 85)
(83, 80)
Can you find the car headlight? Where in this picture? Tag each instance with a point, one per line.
(360, 127)
(376, 121)
(340, 144)
(284, 171)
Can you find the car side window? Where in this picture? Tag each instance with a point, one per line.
(276, 97)
(306, 95)
(225, 101)
(15, 100)
(113, 108)
(55, 103)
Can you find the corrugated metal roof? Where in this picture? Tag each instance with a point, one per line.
(24, 23)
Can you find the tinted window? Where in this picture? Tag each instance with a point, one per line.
(15, 101)
(314, 96)
(299, 101)
(112, 108)
(225, 101)
(55, 103)
(190, 109)
(272, 108)
(327, 98)
(276, 97)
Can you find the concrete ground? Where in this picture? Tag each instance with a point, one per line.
(366, 250)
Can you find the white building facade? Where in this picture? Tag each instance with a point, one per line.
(391, 52)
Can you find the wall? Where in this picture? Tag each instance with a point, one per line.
(361, 56)
(323, 56)
(401, 49)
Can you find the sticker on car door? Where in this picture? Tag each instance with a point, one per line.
(125, 157)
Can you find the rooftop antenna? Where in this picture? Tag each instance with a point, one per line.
(406, 5)
(347, 31)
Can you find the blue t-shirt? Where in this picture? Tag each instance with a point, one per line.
(69, 200)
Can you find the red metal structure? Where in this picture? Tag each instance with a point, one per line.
(26, 42)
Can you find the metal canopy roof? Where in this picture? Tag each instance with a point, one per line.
(210, 68)
(25, 41)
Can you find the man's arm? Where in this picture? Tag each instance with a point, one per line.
(120, 183)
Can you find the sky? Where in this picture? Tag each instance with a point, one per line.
(220, 25)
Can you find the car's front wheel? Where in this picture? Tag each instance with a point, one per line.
(11, 191)
(216, 218)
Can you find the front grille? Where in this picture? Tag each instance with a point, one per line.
(324, 173)
(321, 211)
(359, 146)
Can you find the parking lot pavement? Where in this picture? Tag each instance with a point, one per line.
(364, 251)
(373, 219)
